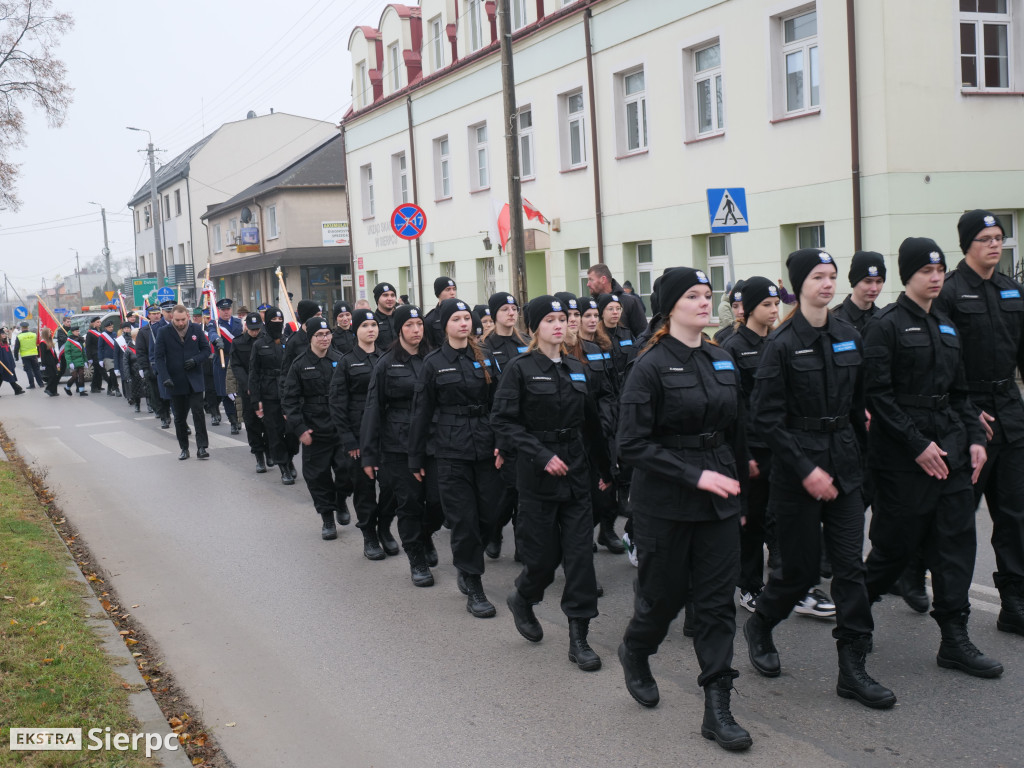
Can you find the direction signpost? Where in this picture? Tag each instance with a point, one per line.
(165, 294)
(408, 221)
(20, 313)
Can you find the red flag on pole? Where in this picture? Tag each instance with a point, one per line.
(504, 220)
(47, 319)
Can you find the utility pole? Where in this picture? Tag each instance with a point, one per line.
(517, 252)
(109, 285)
(78, 271)
(157, 213)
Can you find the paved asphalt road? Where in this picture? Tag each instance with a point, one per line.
(324, 658)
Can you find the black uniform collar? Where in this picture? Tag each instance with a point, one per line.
(543, 362)
(749, 336)
(973, 278)
(910, 305)
(807, 333)
(451, 353)
(855, 312)
(679, 350)
(362, 354)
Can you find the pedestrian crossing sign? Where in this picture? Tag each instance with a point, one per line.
(728, 210)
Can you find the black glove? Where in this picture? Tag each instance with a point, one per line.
(217, 341)
(168, 384)
(190, 364)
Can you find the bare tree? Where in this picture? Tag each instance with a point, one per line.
(29, 72)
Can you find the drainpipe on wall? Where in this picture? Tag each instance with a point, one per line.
(851, 45)
(351, 224)
(598, 214)
(415, 199)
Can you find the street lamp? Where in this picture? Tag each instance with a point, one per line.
(78, 271)
(157, 214)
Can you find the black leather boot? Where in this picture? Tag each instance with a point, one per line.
(580, 652)
(261, 464)
(688, 628)
(235, 428)
(387, 541)
(764, 656)
(343, 515)
(421, 575)
(136, 405)
(476, 601)
(429, 550)
(493, 548)
(719, 723)
(287, 478)
(524, 618)
(639, 681)
(215, 419)
(328, 532)
(1011, 615)
(911, 585)
(855, 682)
(956, 651)
(371, 546)
(270, 460)
(608, 539)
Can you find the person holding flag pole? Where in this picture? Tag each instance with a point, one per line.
(74, 357)
(285, 305)
(222, 330)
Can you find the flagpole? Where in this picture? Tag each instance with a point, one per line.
(211, 292)
(284, 295)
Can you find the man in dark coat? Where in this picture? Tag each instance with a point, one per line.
(600, 280)
(181, 349)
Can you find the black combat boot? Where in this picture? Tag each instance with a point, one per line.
(261, 464)
(855, 682)
(234, 428)
(343, 515)
(421, 575)
(429, 550)
(328, 532)
(764, 656)
(688, 628)
(493, 548)
(137, 408)
(718, 720)
(215, 418)
(371, 545)
(956, 651)
(608, 539)
(287, 478)
(387, 541)
(524, 618)
(580, 652)
(911, 585)
(1011, 615)
(476, 601)
(639, 681)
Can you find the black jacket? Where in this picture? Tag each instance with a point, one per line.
(623, 351)
(294, 345)
(452, 404)
(432, 329)
(989, 314)
(239, 355)
(916, 389)
(343, 340)
(385, 424)
(854, 315)
(265, 363)
(746, 347)
(504, 348)
(386, 330)
(814, 374)
(348, 394)
(634, 315)
(304, 396)
(673, 396)
(171, 353)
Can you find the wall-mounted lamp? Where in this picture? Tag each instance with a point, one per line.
(487, 239)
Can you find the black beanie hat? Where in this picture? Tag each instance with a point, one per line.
(756, 290)
(253, 320)
(440, 283)
(478, 326)
(482, 311)
(361, 316)
(449, 307)
(972, 222)
(341, 306)
(586, 303)
(675, 281)
(736, 294)
(866, 264)
(499, 300)
(306, 309)
(404, 314)
(800, 263)
(541, 307)
(314, 324)
(381, 288)
(605, 299)
(569, 300)
(917, 252)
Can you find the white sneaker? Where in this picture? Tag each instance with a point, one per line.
(816, 603)
(630, 549)
(749, 600)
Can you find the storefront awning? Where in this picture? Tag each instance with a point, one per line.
(290, 257)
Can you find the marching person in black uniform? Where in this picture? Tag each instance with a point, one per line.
(681, 426)
(264, 388)
(808, 405)
(444, 288)
(110, 357)
(541, 409)
(386, 297)
(144, 343)
(161, 398)
(63, 330)
(623, 348)
(483, 312)
(384, 440)
(344, 337)
(348, 402)
(927, 448)
(736, 304)
(759, 313)
(239, 360)
(867, 278)
(296, 342)
(92, 354)
(987, 309)
(451, 409)
(181, 348)
(230, 329)
(305, 401)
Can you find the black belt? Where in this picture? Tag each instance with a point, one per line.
(704, 442)
(558, 435)
(824, 424)
(464, 410)
(990, 387)
(932, 402)
(315, 399)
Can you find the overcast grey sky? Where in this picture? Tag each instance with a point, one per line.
(180, 70)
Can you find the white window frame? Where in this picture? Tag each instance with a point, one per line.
(272, 230)
(527, 156)
(813, 235)
(809, 48)
(485, 277)
(366, 182)
(714, 78)
(232, 231)
(362, 84)
(645, 267)
(442, 168)
(181, 254)
(519, 19)
(979, 21)
(218, 240)
(638, 102)
(1010, 243)
(448, 269)
(167, 207)
(436, 43)
(723, 260)
(474, 25)
(479, 161)
(138, 220)
(177, 202)
(582, 265)
(393, 64)
(572, 123)
(400, 174)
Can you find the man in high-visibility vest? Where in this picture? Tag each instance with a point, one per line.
(27, 346)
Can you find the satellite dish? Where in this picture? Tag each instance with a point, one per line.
(246, 215)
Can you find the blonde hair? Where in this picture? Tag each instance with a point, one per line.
(478, 355)
(656, 337)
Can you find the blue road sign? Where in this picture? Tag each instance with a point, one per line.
(408, 221)
(728, 210)
(20, 313)
(165, 294)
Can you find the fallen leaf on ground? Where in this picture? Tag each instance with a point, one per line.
(230, 725)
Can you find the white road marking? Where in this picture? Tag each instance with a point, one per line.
(220, 441)
(50, 451)
(128, 446)
(41, 428)
(98, 423)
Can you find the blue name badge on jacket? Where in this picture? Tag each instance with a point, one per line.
(487, 362)
(597, 356)
(844, 346)
(724, 365)
(626, 343)
(578, 376)
(521, 349)
(947, 329)
(1014, 294)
